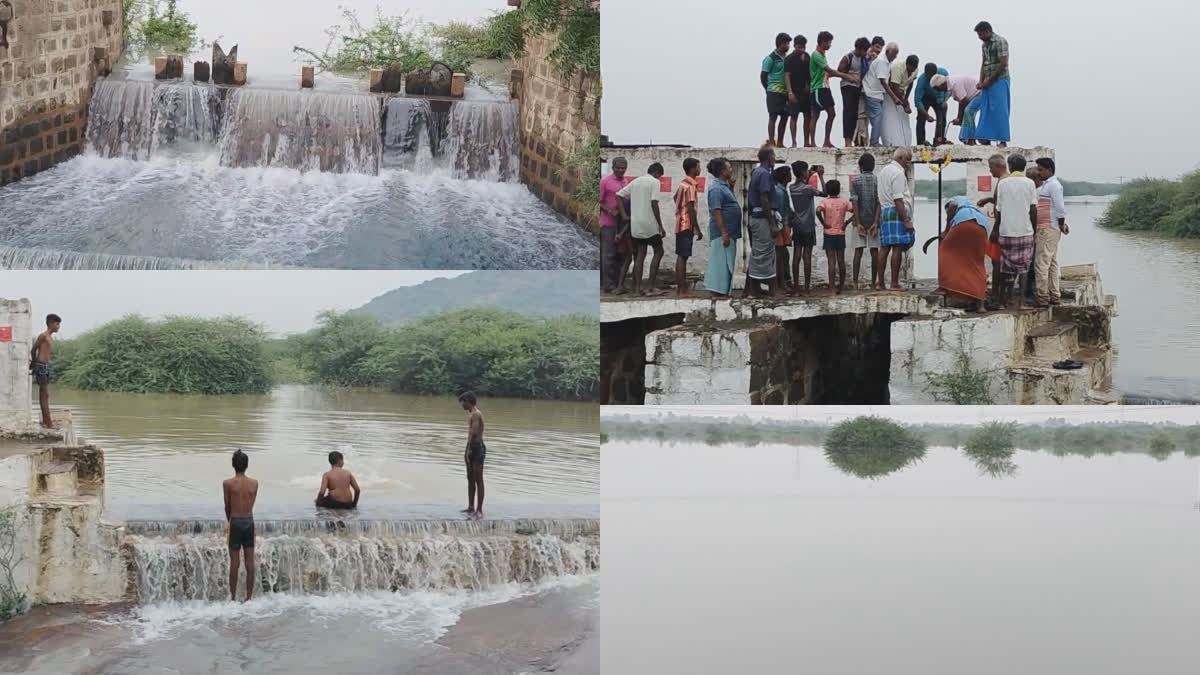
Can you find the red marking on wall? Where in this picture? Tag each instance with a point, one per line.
(664, 184)
(5, 333)
(985, 183)
(851, 178)
(700, 183)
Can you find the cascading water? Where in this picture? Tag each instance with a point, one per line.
(413, 133)
(302, 130)
(189, 560)
(476, 140)
(137, 120)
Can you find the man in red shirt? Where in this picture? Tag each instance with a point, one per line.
(687, 227)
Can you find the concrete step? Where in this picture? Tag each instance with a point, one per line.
(1035, 379)
(58, 480)
(1055, 340)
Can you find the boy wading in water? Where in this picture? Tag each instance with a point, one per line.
(240, 493)
(336, 484)
(475, 453)
(39, 365)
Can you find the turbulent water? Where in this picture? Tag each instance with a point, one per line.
(179, 175)
(323, 557)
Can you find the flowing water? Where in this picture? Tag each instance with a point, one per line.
(186, 175)
(405, 583)
(1158, 297)
(1069, 565)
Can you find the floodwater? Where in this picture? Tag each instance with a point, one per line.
(768, 559)
(1158, 298)
(166, 455)
(179, 175)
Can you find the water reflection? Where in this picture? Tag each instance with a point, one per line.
(872, 447)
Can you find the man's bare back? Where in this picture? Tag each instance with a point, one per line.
(339, 482)
(42, 347)
(240, 493)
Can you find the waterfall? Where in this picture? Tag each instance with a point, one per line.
(17, 258)
(136, 120)
(413, 134)
(485, 140)
(302, 130)
(189, 560)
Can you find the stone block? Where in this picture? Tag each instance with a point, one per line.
(392, 78)
(307, 77)
(201, 71)
(239, 72)
(458, 85)
(168, 67)
(375, 80)
(516, 82)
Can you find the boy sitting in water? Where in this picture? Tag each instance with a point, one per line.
(475, 453)
(336, 485)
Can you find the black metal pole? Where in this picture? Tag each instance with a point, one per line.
(939, 204)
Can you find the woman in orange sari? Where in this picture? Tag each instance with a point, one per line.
(961, 272)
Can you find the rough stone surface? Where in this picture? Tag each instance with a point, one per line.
(55, 52)
(201, 71)
(839, 163)
(558, 115)
(16, 394)
(307, 77)
(222, 64)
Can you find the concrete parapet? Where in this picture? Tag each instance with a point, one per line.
(239, 73)
(375, 80)
(201, 71)
(458, 85)
(307, 77)
(168, 67)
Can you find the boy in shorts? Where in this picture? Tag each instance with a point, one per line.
(832, 213)
(804, 228)
(687, 227)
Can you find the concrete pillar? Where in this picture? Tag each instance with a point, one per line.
(980, 184)
(239, 72)
(392, 79)
(169, 67)
(306, 77)
(458, 85)
(375, 80)
(200, 71)
(16, 339)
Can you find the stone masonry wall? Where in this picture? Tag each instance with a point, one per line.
(558, 115)
(56, 50)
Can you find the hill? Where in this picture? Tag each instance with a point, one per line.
(531, 293)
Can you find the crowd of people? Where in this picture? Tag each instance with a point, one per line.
(880, 91)
(874, 220)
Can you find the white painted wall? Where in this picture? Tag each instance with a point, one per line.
(16, 398)
(15, 475)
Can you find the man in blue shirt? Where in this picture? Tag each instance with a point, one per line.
(926, 97)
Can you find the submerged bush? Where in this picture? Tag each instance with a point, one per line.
(992, 447)
(185, 355)
(1161, 446)
(1154, 205)
(870, 447)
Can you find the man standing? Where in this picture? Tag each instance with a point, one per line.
(687, 226)
(1048, 235)
(856, 63)
(876, 88)
(612, 265)
(864, 196)
(994, 87)
(822, 96)
(796, 67)
(645, 224)
(240, 493)
(39, 365)
(962, 89)
(475, 453)
(896, 231)
(1016, 215)
(773, 82)
(862, 130)
(763, 226)
(897, 129)
(926, 98)
(338, 489)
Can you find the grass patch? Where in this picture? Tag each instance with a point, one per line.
(962, 386)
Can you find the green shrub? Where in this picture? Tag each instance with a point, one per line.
(992, 447)
(147, 26)
(1161, 446)
(870, 447)
(185, 355)
(576, 22)
(1152, 205)
(962, 386)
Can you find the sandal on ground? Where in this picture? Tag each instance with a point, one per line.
(1068, 365)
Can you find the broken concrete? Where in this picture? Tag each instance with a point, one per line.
(857, 348)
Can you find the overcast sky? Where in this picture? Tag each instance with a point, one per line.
(1102, 83)
(284, 301)
(937, 414)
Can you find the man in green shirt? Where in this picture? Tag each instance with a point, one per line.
(822, 97)
(772, 81)
(994, 88)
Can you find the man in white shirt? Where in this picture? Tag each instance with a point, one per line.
(644, 224)
(896, 232)
(873, 89)
(1016, 217)
(1048, 235)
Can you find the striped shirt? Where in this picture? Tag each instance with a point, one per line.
(686, 194)
(993, 50)
(864, 194)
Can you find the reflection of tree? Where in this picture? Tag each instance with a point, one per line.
(1161, 446)
(992, 447)
(870, 447)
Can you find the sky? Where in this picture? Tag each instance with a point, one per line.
(935, 414)
(284, 301)
(1085, 75)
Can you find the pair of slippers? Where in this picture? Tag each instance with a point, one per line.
(1068, 364)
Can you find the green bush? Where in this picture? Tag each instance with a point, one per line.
(576, 22)
(149, 27)
(1152, 205)
(179, 354)
(870, 447)
(962, 386)
(12, 601)
(992, 447)
(1161, 446)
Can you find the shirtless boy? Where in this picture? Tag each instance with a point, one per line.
(40, 365)
(240, 493)
(474, 454)
(336, 484)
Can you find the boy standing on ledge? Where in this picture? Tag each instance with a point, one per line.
(474, 454)
(240, 493)
(39, 365)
